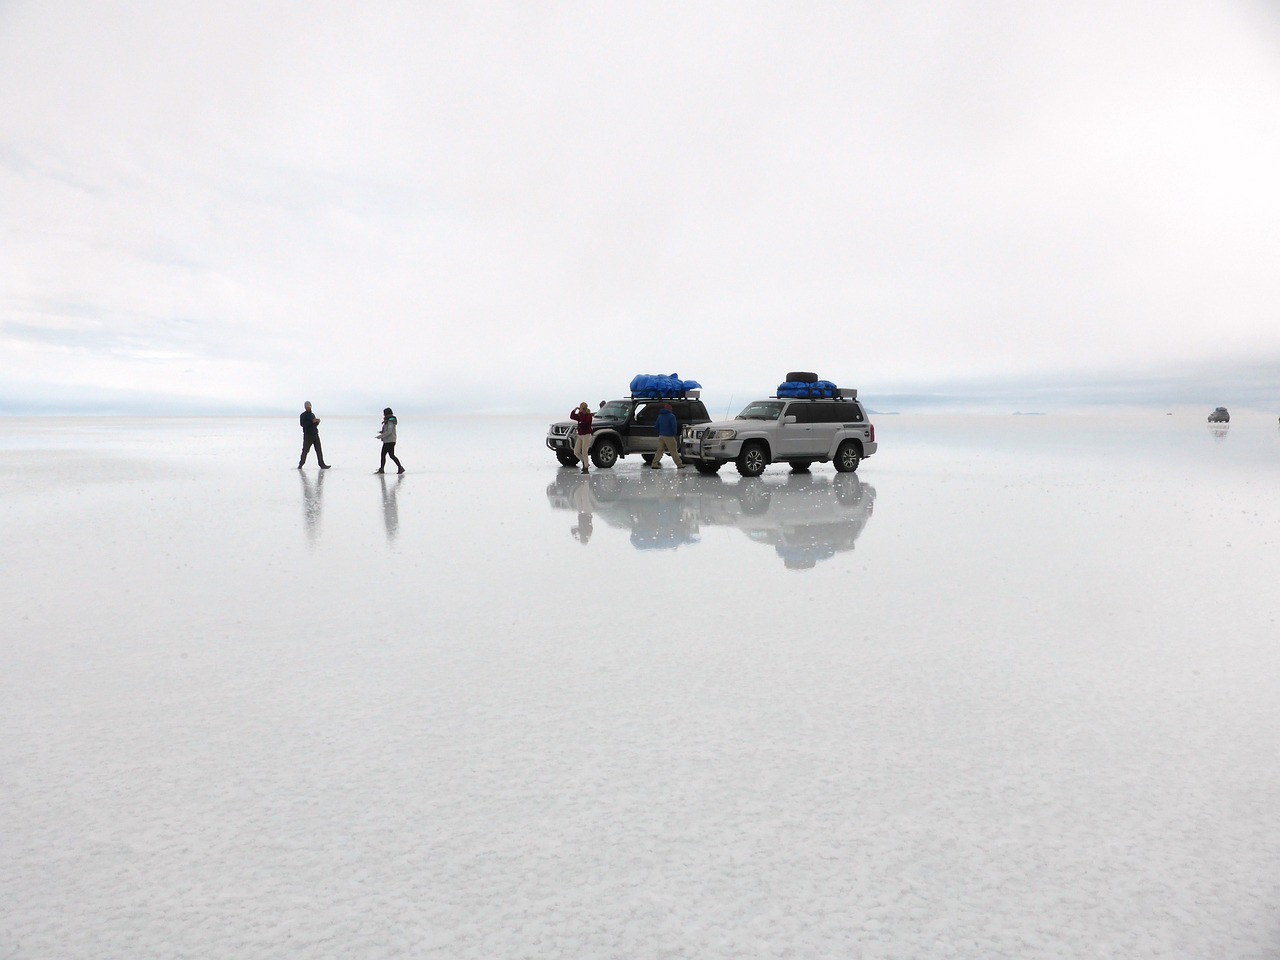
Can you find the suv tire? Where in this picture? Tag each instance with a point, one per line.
(848, 457)
(708, 469)
(802, 376)
(566, 458)
(753, 459)
(605, 453)
(801, 466)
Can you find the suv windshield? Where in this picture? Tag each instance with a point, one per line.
(761, 410)
(614, 410)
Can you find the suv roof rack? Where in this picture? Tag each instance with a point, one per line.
(842, 393)
(684, 395)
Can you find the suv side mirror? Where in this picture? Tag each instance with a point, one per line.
(789, 419)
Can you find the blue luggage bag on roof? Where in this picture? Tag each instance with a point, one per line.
(649, 385)
(804, 390)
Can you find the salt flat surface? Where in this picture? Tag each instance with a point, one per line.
(1009, 692)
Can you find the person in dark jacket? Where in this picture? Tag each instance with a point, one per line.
(388, 437)
(668, 428)
(310, 436)
(582, 446)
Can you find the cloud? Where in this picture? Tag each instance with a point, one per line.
(392, 197)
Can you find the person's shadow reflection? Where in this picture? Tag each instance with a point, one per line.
(390, 507)
(312, 490)
(582, 503)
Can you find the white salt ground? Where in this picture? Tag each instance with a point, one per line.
(1009, 692)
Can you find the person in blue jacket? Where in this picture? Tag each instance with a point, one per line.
(668, 428)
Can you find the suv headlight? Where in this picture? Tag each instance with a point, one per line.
(726, 434)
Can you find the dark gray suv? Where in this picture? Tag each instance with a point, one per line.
(622, 427)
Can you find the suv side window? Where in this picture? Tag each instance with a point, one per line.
(647, 414)
(839, 413)
(803, 412)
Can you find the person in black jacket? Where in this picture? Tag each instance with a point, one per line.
(310, 436)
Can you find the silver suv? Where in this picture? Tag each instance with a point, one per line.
(784, 430)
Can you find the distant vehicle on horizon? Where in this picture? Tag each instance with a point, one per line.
(1219, 415)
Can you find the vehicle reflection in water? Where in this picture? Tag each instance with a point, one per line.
(1219, 431)
(312, 491)
(390, 508)
(806, 518)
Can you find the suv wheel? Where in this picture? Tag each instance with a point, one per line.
(605, 453)
(752, 460)
(566, 458)
(848, 457)
(708, 469)
(801, 466)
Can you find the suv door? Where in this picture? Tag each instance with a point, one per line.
(642, 437)
(829, 419)
(644, 424)
(795, 440)
(842, 417)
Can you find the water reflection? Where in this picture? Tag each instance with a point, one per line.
(582, 502)
(312, 491)
(1219, 431)
(390, 508)
(806, 518)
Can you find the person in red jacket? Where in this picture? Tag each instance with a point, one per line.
(582, 445)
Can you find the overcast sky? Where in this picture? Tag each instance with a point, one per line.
(237, 206)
